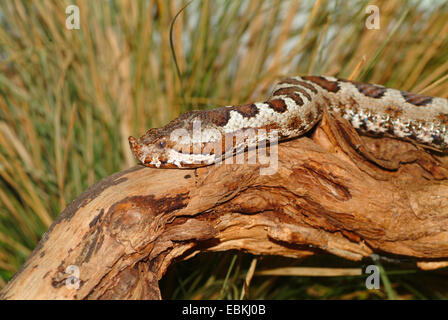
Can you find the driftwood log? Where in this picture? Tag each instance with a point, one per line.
(334, 191)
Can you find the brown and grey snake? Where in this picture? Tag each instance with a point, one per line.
(200, 138)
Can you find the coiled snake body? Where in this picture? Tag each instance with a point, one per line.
(199, 138)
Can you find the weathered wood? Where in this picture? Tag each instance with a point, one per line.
(333, 191)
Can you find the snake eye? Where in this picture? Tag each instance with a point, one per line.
(161, 144)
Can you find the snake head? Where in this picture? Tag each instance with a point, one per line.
(151, 149)
(182, 143)
(157, 149)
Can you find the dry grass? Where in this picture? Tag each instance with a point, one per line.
(70, 98)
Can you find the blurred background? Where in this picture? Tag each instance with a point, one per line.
(69, 99)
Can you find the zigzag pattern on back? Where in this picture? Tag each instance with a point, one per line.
(294, 107)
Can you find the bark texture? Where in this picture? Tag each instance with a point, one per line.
(333, 191)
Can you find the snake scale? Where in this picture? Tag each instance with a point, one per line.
(294, 107)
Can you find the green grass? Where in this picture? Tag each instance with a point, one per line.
(70, 98)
